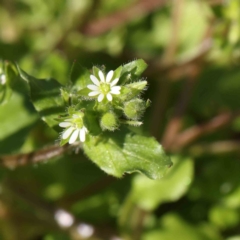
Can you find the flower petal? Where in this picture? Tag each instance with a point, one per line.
(3, 79)
(74, 136)
(118, 88)
(67, 133)
(65, 124)
(95, 80)
(100, 97)
(109, 76)
(82, 134)
(114, 82)
(109, 97)
(94, 93)
(101, 76)
(92, 87)
(115, 90)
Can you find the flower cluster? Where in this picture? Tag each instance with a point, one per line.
(111, 104)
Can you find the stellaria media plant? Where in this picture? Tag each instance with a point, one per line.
(99, 111)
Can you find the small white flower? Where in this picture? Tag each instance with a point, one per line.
(74, 129)
(3, 79)
(104, 87)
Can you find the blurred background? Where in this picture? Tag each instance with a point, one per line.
(193, 52)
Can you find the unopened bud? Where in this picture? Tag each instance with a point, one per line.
(134, 108)
(141, 85)
(132, 90)
(109, 121)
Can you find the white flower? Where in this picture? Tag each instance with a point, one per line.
(74, 129)
(3, 79)
(104, 87)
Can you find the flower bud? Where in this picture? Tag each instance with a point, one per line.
(140, 86)
(109, 121)
(132, 90)
(134, 108)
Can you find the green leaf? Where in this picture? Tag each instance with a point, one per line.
(46, 98)
(224, 217)
(80, 77)
(5, 94)
(7, 72)
(149, 194)
(172, 225)
(122, 152)
(84, 93)
(16, 118)
(132, 70)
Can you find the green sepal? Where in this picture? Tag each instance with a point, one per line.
(140, 85)
(132, 90)
(63, 141)
(66, 96)
(117, 73)
(102, 107)
(132, 123)
(148, 103)
(95, 71)
(84, 93)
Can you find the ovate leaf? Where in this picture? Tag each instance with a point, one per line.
(80, 77)
(46, 98)
(119, 153)
(15, 116)
(172, 226)
(149, 194)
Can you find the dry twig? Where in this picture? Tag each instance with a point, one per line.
(193, 133)
(142, 7)
(219, 147)
(42, 155)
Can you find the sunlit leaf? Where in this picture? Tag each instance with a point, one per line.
(122, 152)
(149, 194)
